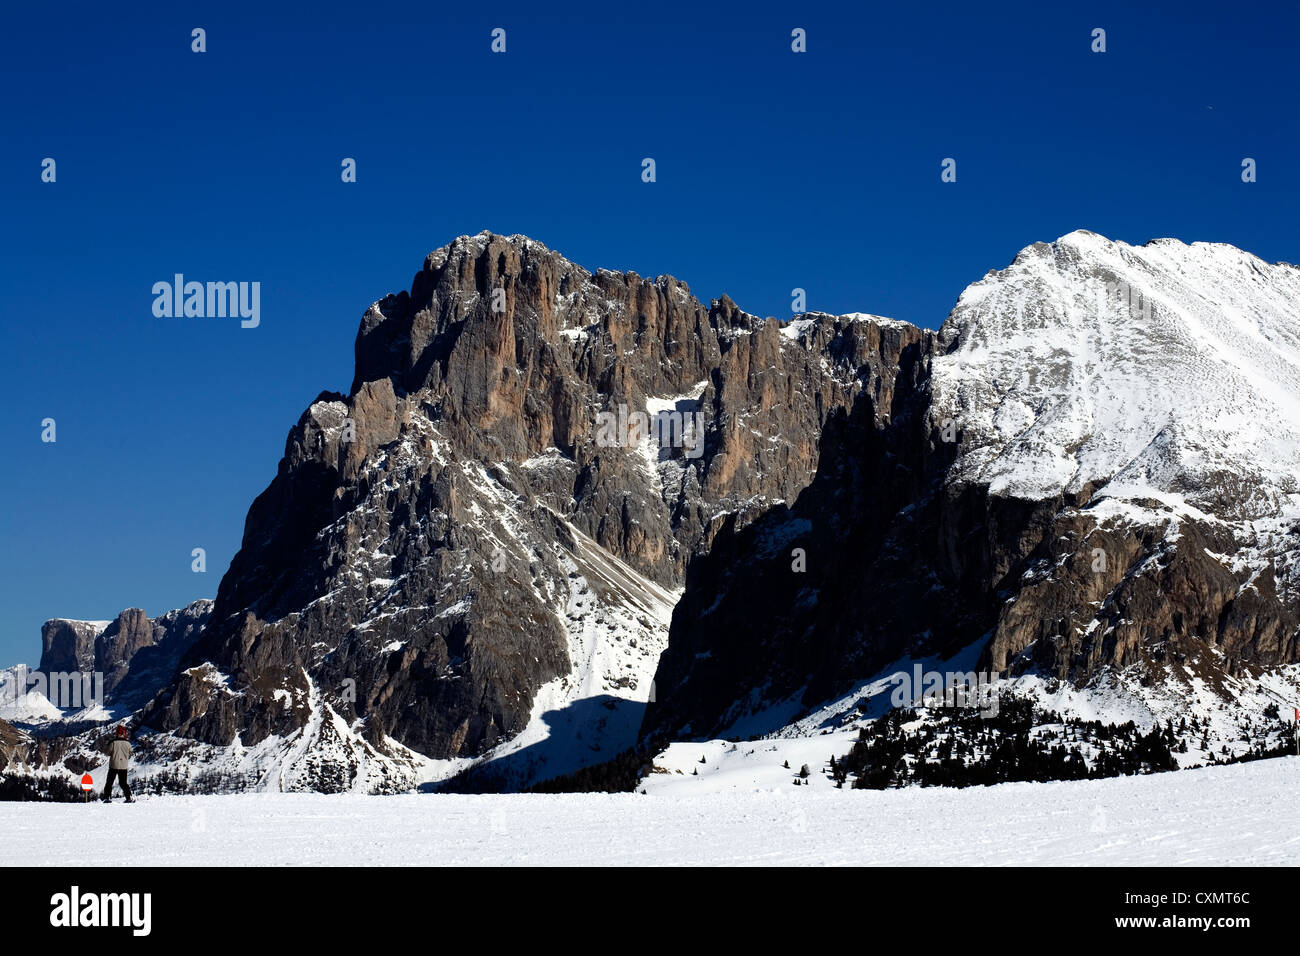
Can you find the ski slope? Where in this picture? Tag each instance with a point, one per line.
(1216, 816)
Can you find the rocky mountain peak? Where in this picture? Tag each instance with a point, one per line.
(498, 516)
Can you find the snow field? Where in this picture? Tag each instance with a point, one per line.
(1215, 816)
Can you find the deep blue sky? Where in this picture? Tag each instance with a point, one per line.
(775, 170)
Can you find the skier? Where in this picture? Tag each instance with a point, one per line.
(119, 758)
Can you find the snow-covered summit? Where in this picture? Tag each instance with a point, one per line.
(1165, 371)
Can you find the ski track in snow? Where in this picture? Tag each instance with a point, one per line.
(1215, 816)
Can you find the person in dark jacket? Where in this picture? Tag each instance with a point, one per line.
(119, 758)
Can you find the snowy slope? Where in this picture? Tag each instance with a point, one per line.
(616, 621)
(1216, 816)
(1232, 715)
(21, 704)
(1165, 371)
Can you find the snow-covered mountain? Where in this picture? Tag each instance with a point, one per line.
(1164, 371)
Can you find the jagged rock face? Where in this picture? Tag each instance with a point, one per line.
(68, 646)
(1076, 485)
(456, 532)
(792, 605)
(139, 655)
(1164, 597)
(131, 632)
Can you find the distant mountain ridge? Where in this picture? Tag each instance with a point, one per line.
(136, 654)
